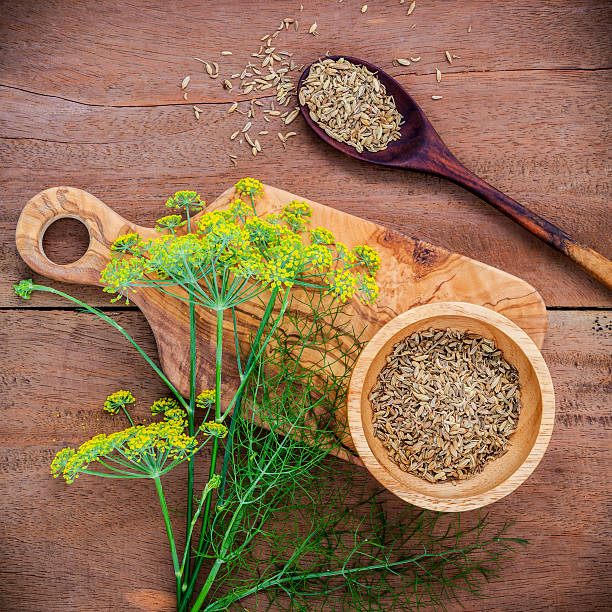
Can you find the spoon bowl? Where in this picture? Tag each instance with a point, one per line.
(421, 148)
(414, 131)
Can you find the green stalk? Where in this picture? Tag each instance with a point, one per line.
(127, 414)
(191, 420)
(214, 570)
(118, 327)
(214, 454)
(248, 369)
(175, 561)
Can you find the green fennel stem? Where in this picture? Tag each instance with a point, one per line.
(228, 443)
(214, 452)
(250, 363)
(127, 414)
(175, 561)
(278, 580)
(229, 534)
(191, 421)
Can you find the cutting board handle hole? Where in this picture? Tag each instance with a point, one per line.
(65, 240)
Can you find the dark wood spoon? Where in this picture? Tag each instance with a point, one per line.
(420, 148)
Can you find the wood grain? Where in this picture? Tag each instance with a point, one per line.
(58, 362)
(136, 54)
(412, 273)
(560, 174)
(528, 443)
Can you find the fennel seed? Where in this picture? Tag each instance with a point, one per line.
(445, 404)
(350, 104)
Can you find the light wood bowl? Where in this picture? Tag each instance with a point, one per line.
(527, 445)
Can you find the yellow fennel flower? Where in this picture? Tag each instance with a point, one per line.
(206, 399)
(250, 187)
(368, 257)
(163, 404)
(118, 400)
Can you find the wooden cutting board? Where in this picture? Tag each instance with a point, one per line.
(412, 273)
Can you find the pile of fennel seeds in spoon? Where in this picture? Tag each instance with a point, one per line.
(350, 103)
(445, 404)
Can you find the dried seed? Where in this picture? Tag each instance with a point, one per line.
(438, 75)
(350, 104)
(364, 8)
(411, 8)
(246, 127)
(233, 136)
(196, 111)
(227, 85)
(232, 108)
(226, 53)
(402, 62)
(313, 28)
(445, 404)
(185, 82)
(291, 116)
(436, 97)
(448, 57)
(415, 59)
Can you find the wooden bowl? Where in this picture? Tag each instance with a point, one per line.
(528, 443)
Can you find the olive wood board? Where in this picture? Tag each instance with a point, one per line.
(412, 273)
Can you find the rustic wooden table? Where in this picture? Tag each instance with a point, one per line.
(90, 97)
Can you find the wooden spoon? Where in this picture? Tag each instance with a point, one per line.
(420, 148)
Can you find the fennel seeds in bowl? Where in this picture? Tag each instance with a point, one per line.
(445, 404)
(350, 103)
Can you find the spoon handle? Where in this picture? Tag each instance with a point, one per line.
(594, 263)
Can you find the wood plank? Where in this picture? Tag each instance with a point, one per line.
(115, 154)
(137, 53)
(54, 558)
